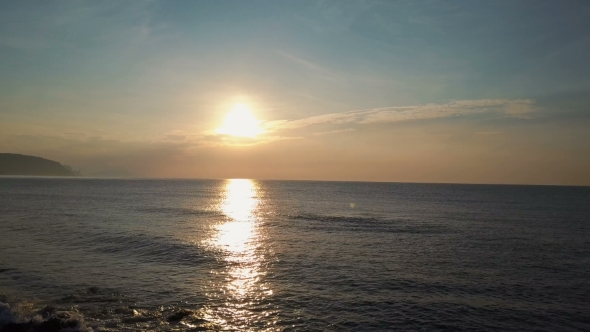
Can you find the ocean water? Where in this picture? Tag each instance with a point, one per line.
(244, 255)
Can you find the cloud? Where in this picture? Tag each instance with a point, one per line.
(228, 140)
(321, 133)
(512, 108)
(173, 137)
(99, 24)
(314, 67)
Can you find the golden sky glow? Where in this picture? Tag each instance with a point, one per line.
(316, 90)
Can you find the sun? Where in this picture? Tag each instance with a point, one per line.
(240, 122)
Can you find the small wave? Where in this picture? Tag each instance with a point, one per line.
(338, 219)
(371, 224)
(153, 249)
(176, 211)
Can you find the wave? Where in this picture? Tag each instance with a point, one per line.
(177, 211)
(46, 319)
(87, 315)
(371, 224)
(147, 248)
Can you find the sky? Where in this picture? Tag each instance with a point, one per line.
(404, 91)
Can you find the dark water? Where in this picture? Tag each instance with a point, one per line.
(131, 255)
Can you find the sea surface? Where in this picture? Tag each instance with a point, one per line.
(242, 255)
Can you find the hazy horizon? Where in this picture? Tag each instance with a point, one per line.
(410, 91)
(138, 178)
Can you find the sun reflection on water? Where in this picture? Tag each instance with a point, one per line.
(240, 203)
(238, 241)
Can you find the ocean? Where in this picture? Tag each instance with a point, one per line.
(83, 254)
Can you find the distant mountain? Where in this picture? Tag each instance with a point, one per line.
(18, 164)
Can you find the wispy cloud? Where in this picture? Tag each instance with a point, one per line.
(321, 133)
(317, 68)
(109, 23)
(506, 107)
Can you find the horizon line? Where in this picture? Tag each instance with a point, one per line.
(134, 178)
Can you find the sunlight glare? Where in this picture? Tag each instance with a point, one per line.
(240, 122)
(239, 239)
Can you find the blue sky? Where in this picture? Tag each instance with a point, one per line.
(123, 85)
